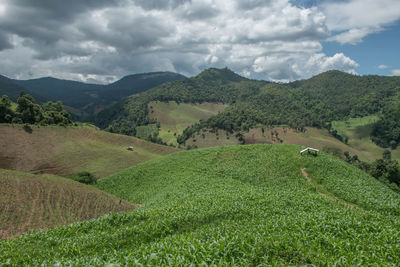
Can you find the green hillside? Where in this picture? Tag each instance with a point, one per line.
(212, 85)
(316, 102)
(240, 205)
(174, 117)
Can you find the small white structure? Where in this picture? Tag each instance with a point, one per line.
(130, 148)
(309, 150)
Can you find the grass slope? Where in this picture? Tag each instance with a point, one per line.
(174, 117)
(64, 151)
(314, 137)
(240, 205)
(358, 131)
(30, 202)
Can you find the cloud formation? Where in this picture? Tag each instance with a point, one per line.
(105, 39)
(353, 20)
(396, 72)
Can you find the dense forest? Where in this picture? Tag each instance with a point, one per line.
(27, 111)
(330, 96)
(386, 132)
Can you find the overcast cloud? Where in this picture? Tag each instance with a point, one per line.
(102, 40)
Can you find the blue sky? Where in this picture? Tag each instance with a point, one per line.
(377, 53)
(378, 49)
(279, 40)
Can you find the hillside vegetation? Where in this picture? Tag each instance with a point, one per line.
(213, 85)
(26, 110)
(329, 96)
(316, 102)
(68, 150)
(240, 205)
(29, 202)
(311, 136)
(174, 118)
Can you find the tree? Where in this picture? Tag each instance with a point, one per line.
(6, 113)
(28, 110)
(387, 155)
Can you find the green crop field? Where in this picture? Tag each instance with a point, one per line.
(174, 117)
(252, 205)
(358, 131)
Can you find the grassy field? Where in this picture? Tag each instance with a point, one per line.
(145, 131)
(358, 131)
(317, 138)
(30, 202)
(174, 118)
(64, 151)
(238, 205)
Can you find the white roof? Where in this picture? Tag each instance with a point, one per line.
(309, 148)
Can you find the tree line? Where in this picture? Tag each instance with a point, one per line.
(27, 111)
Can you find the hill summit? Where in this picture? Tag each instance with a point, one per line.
(220, 75)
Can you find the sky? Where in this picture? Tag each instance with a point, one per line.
(100, 41)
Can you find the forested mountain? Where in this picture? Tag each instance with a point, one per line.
(136, 83)
(9, 88)
(78, 94)
(212, 85)
(71, 93)
(329, 96)
(82, 99)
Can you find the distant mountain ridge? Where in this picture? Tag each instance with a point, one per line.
(84, 99)
(9, 88)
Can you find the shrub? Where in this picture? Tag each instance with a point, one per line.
(84, 177)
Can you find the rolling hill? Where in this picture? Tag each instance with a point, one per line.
(238, 205)
(316, 102)
(67, 150)
(30, 202)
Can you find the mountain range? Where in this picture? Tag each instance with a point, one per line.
(83, 99)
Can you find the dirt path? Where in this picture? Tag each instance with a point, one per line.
(322, 191)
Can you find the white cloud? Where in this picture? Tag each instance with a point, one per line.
(281, 68)
(353, 36)
(355, 19)
(383, 67)
(111, 40)
(396, 72)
